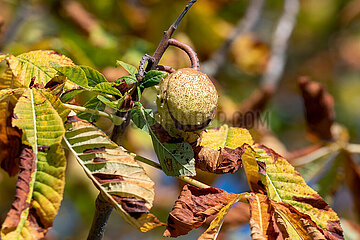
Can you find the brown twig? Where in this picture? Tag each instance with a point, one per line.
(189, 51)
(165, 68)
(163, 45)
(244, 25)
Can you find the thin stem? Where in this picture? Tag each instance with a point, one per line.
(165, 68)
(244, 25)
(189, 51)
(284, 28)
(189, 180)
(102, 213)
(321, 152)
(115, 119)
(163, 45)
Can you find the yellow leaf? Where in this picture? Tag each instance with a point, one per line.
(32, 67)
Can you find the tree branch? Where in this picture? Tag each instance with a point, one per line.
(244, 25)
(284, 28)
(103, 208)
(163, 45)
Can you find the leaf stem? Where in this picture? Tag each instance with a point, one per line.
(189, 180)
(115, 119)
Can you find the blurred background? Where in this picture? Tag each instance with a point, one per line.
(324, 45)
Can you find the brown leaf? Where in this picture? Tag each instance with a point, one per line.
(27, 167)
(261, 222)
(237, 216)
(10, 141)
(220, 150)
(256, 233)
(193, 207)
(304, 225)
(319, 108)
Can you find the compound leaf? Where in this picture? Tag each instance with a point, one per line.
(41, 185)
(34, 66)
(119, 178)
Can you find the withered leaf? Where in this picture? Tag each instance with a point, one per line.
(319, 108)
(220, 150)
(192, 208)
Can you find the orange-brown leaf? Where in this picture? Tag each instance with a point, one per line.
(220, 150)
(193, 207)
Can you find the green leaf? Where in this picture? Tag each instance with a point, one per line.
(176, 159)
(152, 78)
(129, 68)
(137, 117)
(39, 120)
(38, 117)
(129, 79)
(107, 88)
(120, 179)
(95, 104)
(31, 66)
(75, 74)
(93, 76)
(113, 104)
(67, 96)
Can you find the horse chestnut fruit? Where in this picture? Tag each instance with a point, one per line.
(186, 103)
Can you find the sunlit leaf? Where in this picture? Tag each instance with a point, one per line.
(40, 189)
(220, 150)
(75, 74)
(152, 78)
(120, 179)
(33, 67)
(285, 185)
(93, 76)
(108, 88)
(129, 68)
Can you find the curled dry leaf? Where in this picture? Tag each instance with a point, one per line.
(220, 150)
(319, 108)
(256, 231)
(10, 137)
(261, 222)
(193, 207)
(213, 230)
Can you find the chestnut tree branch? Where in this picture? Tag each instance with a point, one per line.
(163, 45)
(103, 208)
